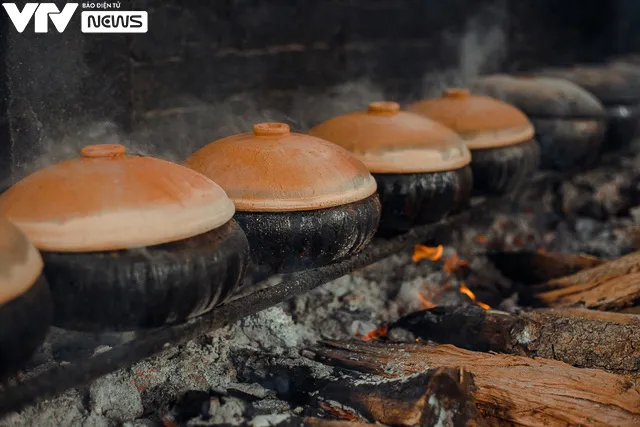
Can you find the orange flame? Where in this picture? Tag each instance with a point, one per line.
(465, 290)
(454, 263)
(426, 303)
(380, 332)
(481, 238)
(421, 252)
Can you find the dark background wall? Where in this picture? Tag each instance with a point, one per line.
(209, 69)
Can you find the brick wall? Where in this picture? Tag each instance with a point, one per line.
(213, 68)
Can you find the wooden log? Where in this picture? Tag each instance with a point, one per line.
(580, 337)
(599, 294)
(509, 390)
(613, 286)
(419, 400)
(531, 267)
(606, 272)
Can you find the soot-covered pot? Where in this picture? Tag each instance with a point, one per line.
(569, 122)
(302, 201)
(500, 137)
(128, 241)
(421, 167)
(617, 86)
(26, 308)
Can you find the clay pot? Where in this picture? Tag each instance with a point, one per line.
(26, 308)
(570, 122)
(421, 167)
(500, 137)
(617, 86)
(302, 201)
(128, 241)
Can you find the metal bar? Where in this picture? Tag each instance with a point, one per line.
(59, 379)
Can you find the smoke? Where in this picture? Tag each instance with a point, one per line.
(47, 89)
(355, 95)
(481, 49)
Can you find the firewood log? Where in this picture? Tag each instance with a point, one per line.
(418, 400)
(580, 337)
(509, 390)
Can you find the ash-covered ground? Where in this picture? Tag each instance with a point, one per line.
(239, 375)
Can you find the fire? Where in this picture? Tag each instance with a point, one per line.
(481, 238)
(381, 332)
(421, 252)
(426, 304)
(454, 263)
(465, 290)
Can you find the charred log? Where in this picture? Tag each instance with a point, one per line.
(421, 399)
(579, 337)
(508, 389)
(418, 400)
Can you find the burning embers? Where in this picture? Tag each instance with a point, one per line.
(451, 290)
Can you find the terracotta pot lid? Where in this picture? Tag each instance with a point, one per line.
(388, 140)
(275, 170)
(107, 200)
(20, 262)
(541, 97)
(613, 84)
(483, 122)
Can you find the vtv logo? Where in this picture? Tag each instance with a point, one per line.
(42, 11)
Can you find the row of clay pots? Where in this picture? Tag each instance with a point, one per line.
(578, 112)
(128, 242)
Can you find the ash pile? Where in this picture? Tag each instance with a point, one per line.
(353, 350)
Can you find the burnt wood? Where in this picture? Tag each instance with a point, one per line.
(508, 389)
(580, 337)
(419, 400)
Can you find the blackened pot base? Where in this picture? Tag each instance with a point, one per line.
(623, 126)
(569, 145)
(300, 240)
(500, 171)
(147, 287)
(410, 200)
(24, 323)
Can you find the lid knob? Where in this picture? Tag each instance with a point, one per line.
(103, 150)
(271, 129)
(455, 93)
(384, 107)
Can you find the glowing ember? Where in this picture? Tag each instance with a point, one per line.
(454, 263)
(481, 238)
(421, 252)
(465, 290)
(426, 304)
(381, 332)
